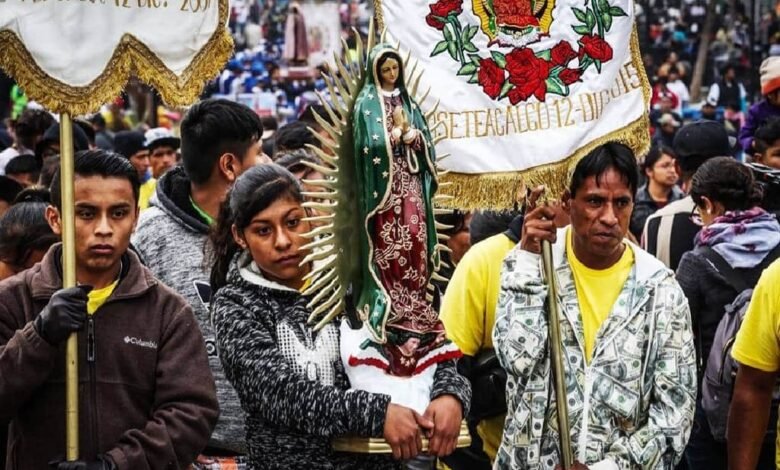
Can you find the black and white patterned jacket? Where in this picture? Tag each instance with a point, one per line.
(291, 382)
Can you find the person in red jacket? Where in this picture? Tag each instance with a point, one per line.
(147, 398)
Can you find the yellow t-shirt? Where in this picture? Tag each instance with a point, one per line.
(468, 311)
(97, 297)
(758, 340)
(146, 192)
(597, 290)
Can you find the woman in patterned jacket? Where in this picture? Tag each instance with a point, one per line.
(289, 378)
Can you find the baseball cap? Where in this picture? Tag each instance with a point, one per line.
(701, 140)
(160, 136)
(128, 143)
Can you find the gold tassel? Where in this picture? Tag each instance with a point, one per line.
(130, 57)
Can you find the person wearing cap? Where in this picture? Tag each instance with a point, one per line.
(131, 145)
(162, 146)
(670, 232)
(760, 112)
(667, 128)
(709, 110)
(49, 145)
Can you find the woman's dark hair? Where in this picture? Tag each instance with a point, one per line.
(390, 55)
(608, 156)
(292, 136)
(255, 190)
(655, 154)
(456, 220)
(767, 135)
(24, 229)
(726, 181)
(98, 163)
(293, 160)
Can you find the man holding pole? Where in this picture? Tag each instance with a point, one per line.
(629, 370)
(147, 396)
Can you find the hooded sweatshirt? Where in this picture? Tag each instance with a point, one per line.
(170, 238)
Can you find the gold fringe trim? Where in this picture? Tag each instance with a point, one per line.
(130, 58)
(502, 190)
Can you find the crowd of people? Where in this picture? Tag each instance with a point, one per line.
(199, 234)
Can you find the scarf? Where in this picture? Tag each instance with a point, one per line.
(742, 238)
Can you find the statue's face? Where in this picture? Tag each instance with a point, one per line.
(388, 73)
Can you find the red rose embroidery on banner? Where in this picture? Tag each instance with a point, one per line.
(562, 53)
(491, 77)
(442, 8)
(528, 73)
(569, 76)
(595, 47)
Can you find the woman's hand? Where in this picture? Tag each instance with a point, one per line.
(402, 431)
(446, 413)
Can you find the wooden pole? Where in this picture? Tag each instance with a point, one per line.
(69, 280)
(556, 358)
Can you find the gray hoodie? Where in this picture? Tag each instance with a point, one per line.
(170, 238)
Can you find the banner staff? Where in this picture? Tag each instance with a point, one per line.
(69, 280)
(556, 357)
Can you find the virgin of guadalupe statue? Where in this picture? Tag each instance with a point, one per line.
(379, 246)
(396, 181)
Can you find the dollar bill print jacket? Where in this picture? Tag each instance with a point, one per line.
(632, 407)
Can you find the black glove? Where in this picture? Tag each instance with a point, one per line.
(65, 313)
(102, 463)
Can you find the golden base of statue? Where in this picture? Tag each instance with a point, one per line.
(370, 445)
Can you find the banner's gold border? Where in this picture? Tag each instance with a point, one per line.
(500, 190)
(130, 58)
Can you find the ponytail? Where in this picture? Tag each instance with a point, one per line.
(222, 246)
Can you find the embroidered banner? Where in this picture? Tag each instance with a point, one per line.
(76, 55)
(526, 87)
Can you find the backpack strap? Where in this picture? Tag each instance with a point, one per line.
(739, 279)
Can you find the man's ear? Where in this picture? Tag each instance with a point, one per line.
(566, 200)
(757, 157)
(54, 220)
(228, 166)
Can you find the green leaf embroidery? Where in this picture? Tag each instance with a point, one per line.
(499, 58)
(470, 32)
(467, 69)
(452, 48)
(545, 54)
(581, 29)
(441, 46)
(597, 63)
(469, 47)
(474, 79)
(505, 90)
(590, 20)
(617, 11)
(580, 14)
(556, 86)
(475, 58)
(447, 33)
(603, 5)
(606, 19)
